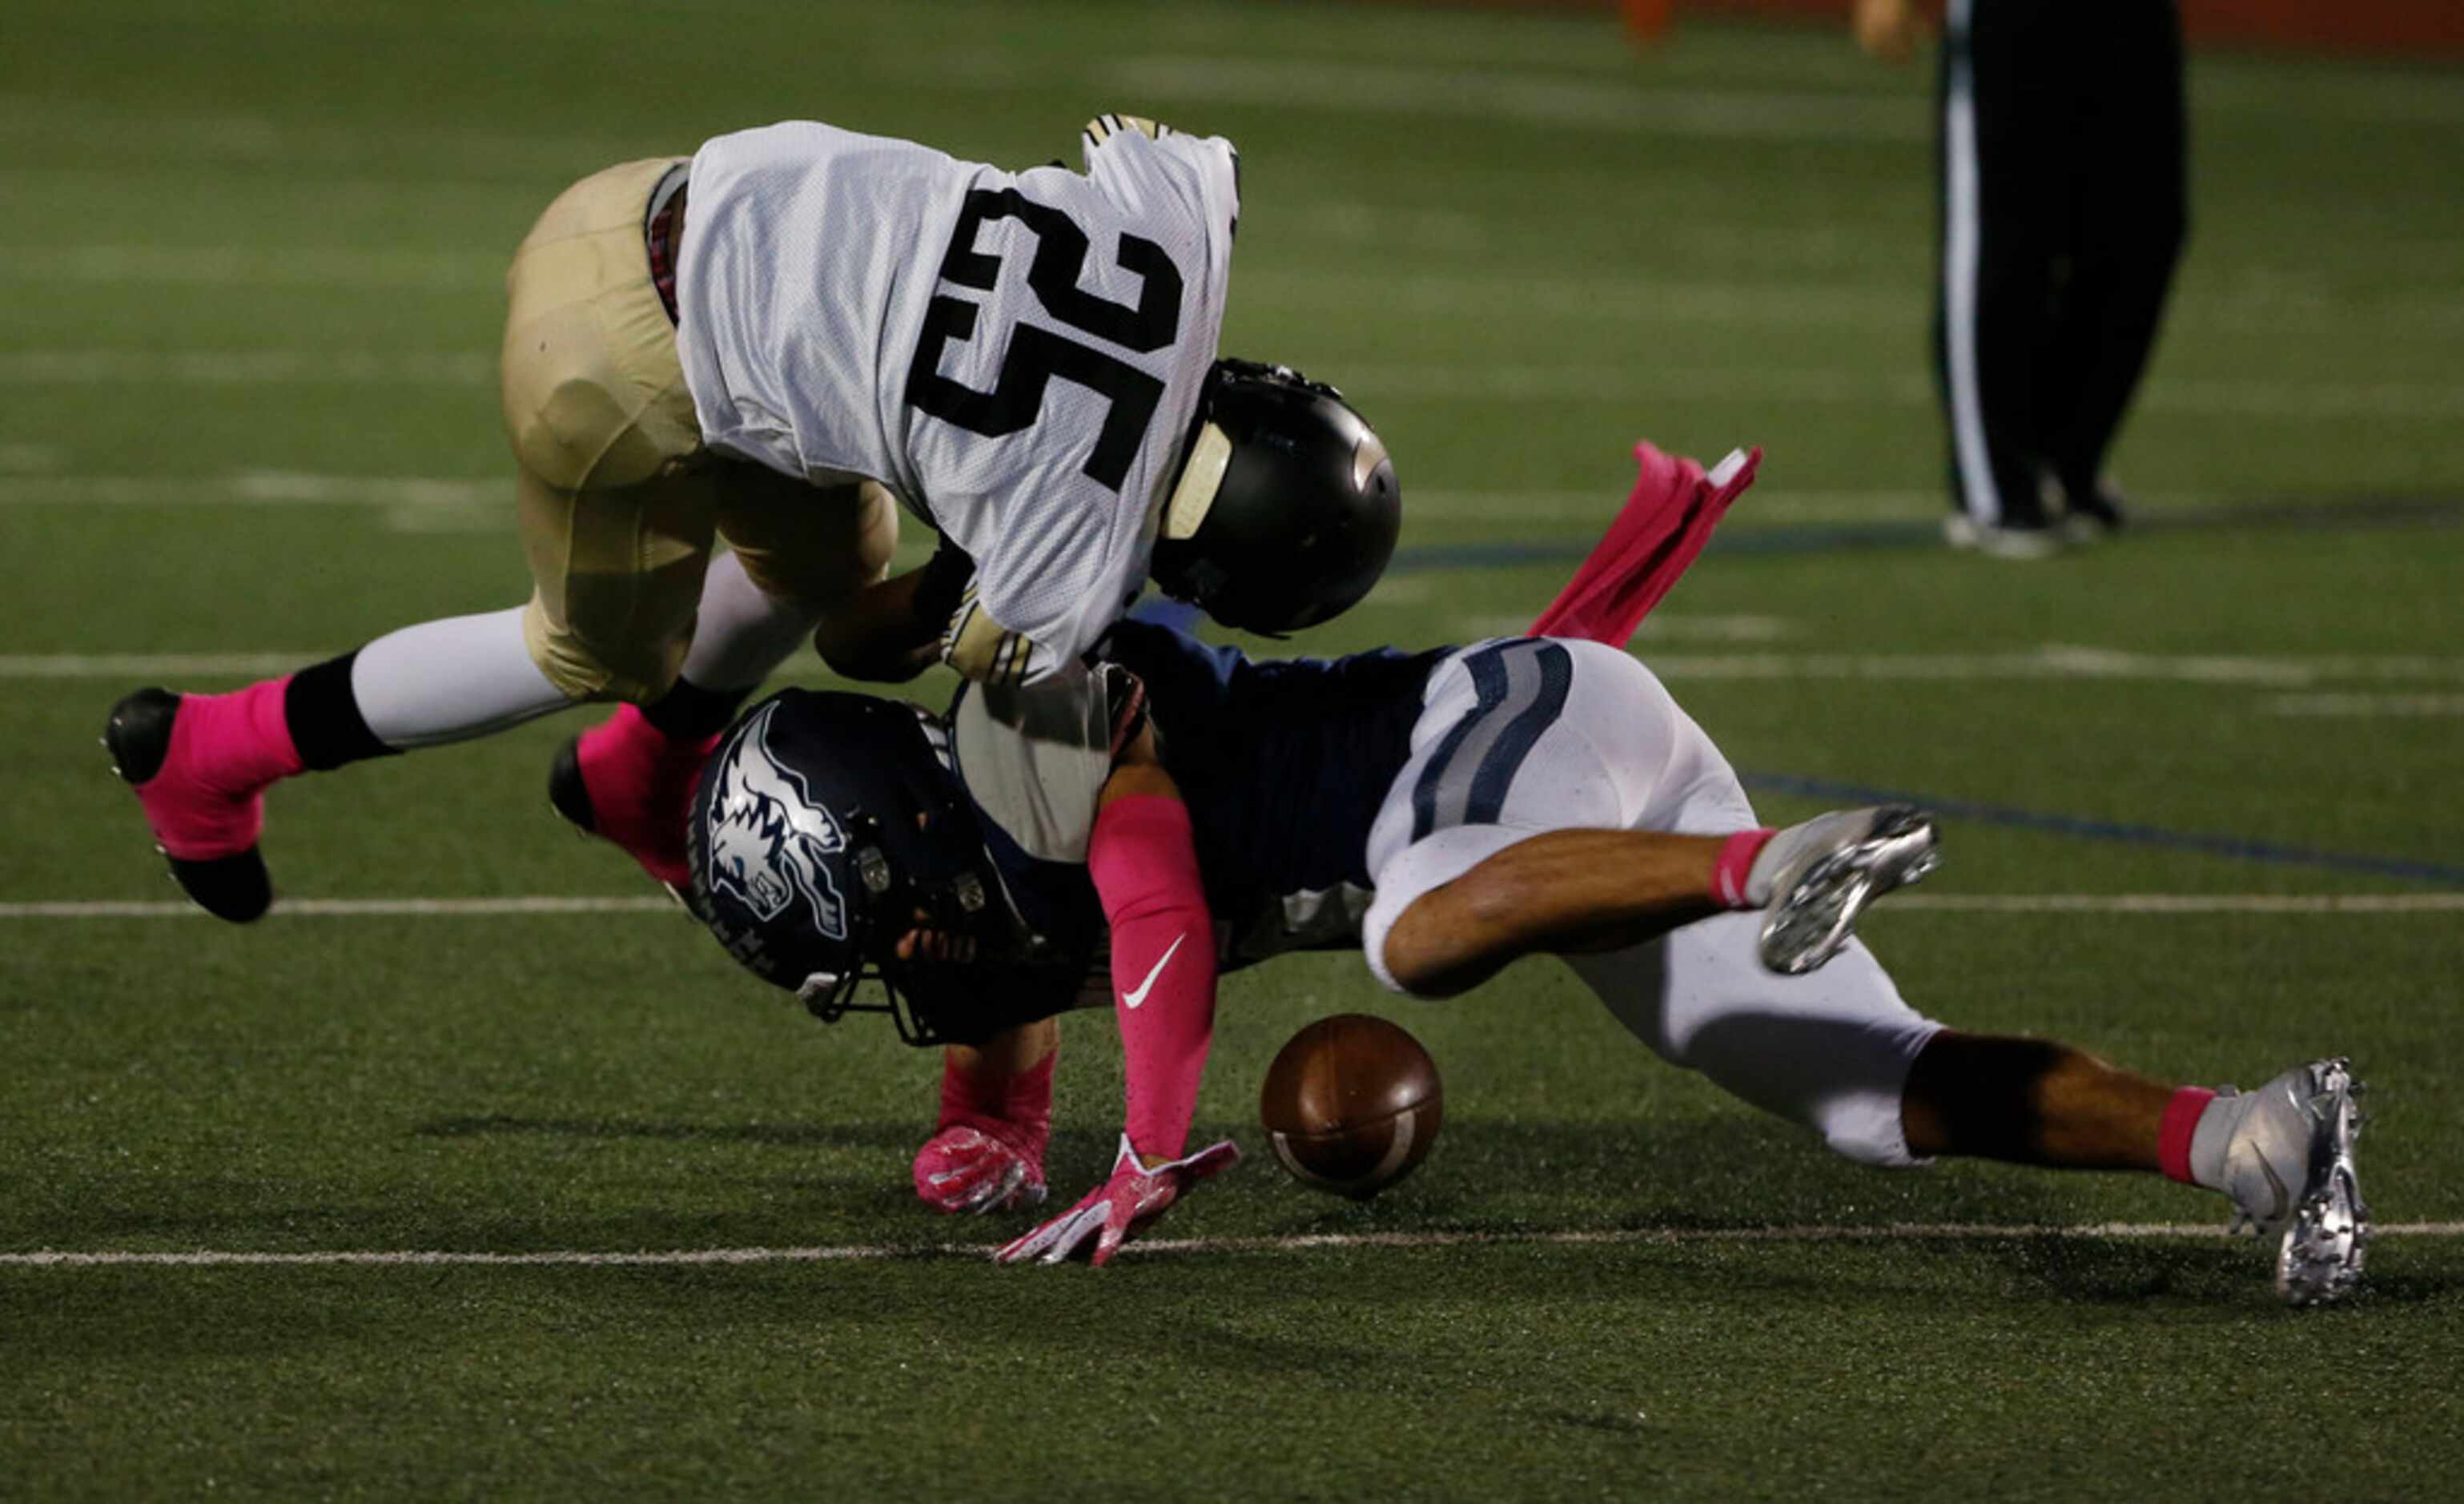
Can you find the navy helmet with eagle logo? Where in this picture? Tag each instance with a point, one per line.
(822, 826)
(1285, 509)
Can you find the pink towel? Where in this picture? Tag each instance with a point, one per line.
(1655, 538)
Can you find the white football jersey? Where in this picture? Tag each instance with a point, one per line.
(1018, 356)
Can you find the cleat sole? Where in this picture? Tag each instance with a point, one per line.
(1818, 916)
(2326, 1245)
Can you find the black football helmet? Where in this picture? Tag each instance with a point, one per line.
(1285, 509)
(822, 825)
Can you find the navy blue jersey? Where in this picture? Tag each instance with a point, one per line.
(1282, 765)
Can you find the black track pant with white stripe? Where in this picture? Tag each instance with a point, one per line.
(2063, 161)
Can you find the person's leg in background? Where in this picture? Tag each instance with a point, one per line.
(2130, 216)
(2001, 142)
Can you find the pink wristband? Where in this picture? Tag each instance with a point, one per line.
(1735, 863)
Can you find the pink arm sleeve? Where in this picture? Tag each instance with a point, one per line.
(1144, 860)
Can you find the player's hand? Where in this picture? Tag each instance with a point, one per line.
(979, 1166)
(980, 648)
(1119, 1209)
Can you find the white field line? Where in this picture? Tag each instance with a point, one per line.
(1642, 382)
(2366, 706)
(2177, 903)
(2256, 304)
(154, 665)
(1645, 380)
(1545, 99)
(2059, 661)
(269, 266)
(247, 368)
(350, 908)
(2116, 903)
(2051, 661)
(875, 1252)
(258, 488)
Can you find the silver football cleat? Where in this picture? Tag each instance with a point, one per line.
(2289, 1169)
(1849, 858)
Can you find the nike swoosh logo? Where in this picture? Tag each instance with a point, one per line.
(1132, 1000)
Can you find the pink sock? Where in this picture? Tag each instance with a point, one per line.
(1735, 864)
(640, 787)
(1144, 860)
(208, 798)
(2182, 1117)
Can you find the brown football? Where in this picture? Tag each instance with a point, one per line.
(1352, 1105)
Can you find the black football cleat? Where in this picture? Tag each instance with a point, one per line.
(566, 793)
(137, 734)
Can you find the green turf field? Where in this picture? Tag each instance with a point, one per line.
(251, 257)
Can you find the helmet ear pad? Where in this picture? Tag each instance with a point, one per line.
(1286, 509)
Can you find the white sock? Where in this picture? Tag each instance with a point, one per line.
(450, 680)
(742, 634)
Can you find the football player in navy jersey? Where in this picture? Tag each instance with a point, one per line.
(1189, 811)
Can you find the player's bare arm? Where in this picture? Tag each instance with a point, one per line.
(891, 632)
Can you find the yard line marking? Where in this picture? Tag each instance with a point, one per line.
(1548, 99)
(2048, 662)
(869, 1253)
(257, 266)
(2366, 705)
(2236, 848)
(2279, 400)
(349, 908)
(2283, 400)
(2178, 903)
(2061, 661)
(152, 665)
(1920, 903)
(246, 368)
(255, 488)
(2258, 304)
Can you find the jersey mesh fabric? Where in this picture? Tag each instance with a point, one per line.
(813, 276)
(1282, 766)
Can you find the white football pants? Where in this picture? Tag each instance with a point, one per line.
(1524, 735)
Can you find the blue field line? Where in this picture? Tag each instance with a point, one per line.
(1839, 536)
(2235, 847)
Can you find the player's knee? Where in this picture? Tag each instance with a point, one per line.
(1412, 959)
(606, 668)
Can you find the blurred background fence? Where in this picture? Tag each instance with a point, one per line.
(2398, 27)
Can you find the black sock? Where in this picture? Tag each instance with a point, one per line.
(689, 712)
(324, 719)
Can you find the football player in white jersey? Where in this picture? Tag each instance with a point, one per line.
(781, 341)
